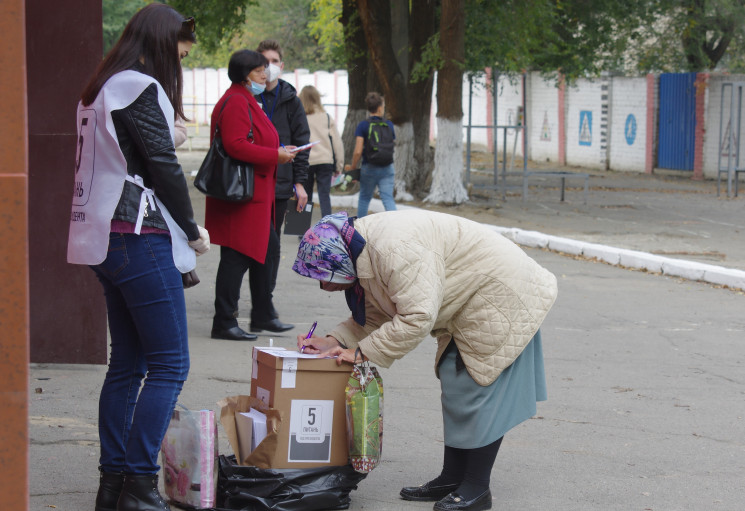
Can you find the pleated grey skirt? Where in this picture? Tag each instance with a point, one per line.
(474, 415)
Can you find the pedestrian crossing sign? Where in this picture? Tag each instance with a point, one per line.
(585, 127)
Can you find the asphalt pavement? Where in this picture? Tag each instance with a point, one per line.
(645, 367)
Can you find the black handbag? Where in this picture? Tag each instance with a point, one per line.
(222, 177)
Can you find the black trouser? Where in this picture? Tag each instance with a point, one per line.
(321, 174)
(280, 208)
(230, 272)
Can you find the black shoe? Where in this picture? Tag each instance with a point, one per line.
(427, 492)
(109, 488)
(235, 333)
(140, 493)
(455, 502)
(273, 325)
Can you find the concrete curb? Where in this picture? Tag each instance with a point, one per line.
(689, 270)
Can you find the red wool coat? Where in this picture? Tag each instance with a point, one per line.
(245, 227)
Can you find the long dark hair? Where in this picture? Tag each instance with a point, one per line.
(152, 35)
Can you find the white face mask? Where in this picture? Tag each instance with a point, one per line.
(272, 72)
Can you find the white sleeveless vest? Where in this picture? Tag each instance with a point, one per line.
(100, 172)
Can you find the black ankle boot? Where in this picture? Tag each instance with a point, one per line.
(109, 488)
(140, 493)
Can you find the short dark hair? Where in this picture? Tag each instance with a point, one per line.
(373, 100)
(243, 62)
(152, 34)
(270, 44)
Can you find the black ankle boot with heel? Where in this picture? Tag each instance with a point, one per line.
(140, 493)
(109, 488)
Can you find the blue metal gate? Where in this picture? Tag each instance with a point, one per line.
(677, 123)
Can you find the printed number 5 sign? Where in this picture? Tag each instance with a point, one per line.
(86, 152)
(310, 430)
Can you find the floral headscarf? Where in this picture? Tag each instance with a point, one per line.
(329, 252)
(324, 253)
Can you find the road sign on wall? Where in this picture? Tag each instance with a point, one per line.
(630, 129)
(585, 127)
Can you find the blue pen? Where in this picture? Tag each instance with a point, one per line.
(310, 333)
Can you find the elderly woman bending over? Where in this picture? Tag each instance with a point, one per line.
(407, 274)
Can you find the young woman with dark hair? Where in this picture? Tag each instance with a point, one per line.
(133, 223)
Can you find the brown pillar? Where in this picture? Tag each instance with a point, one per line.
(67, 312)
(13, 260)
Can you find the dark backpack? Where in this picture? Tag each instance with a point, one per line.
(379, 143)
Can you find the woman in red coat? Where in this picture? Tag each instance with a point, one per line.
(245, 231)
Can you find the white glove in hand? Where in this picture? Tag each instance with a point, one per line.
(201, 245)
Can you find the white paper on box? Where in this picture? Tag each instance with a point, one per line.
(259, 426)
(289, 372)
(311, 424)
(255, 364)
(263, 394)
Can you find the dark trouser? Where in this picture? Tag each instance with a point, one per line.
(321, 174)
(280, 208)
(233, 265)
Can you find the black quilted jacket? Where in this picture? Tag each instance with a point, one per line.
(145, 140)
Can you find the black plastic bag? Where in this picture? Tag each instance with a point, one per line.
(242, 488)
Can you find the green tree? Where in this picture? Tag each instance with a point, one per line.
(217, 21)
(325, 26)
(694, 35)
(116, 15)
(307, 30)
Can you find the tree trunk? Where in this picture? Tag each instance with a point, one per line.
(422, 26)
(357, 75)
(376, 22)
(447, 184)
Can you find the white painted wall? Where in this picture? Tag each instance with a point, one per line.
(583, 113)
(478, 112)
(628, 124)
(543, 119)
(717, 121)
(627, 96)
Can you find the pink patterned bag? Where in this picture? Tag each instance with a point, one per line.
(189, 458)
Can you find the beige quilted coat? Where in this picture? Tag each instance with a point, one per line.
(431, 273)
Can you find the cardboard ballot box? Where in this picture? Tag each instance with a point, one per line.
(309, 393)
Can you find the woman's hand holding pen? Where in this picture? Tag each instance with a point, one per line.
(325, 346)
(315, 345)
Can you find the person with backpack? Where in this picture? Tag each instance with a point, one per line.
(374, 146)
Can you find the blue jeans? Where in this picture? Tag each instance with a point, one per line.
(370, 177)
(147, 322)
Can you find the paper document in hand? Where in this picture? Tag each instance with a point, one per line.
(304, 147)
(259, 426)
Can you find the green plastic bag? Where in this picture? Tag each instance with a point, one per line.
(364, 401)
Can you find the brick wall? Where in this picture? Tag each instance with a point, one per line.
(553, 116)
(628, 124)
(719, 104)
(543, 119)
(584, 146)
